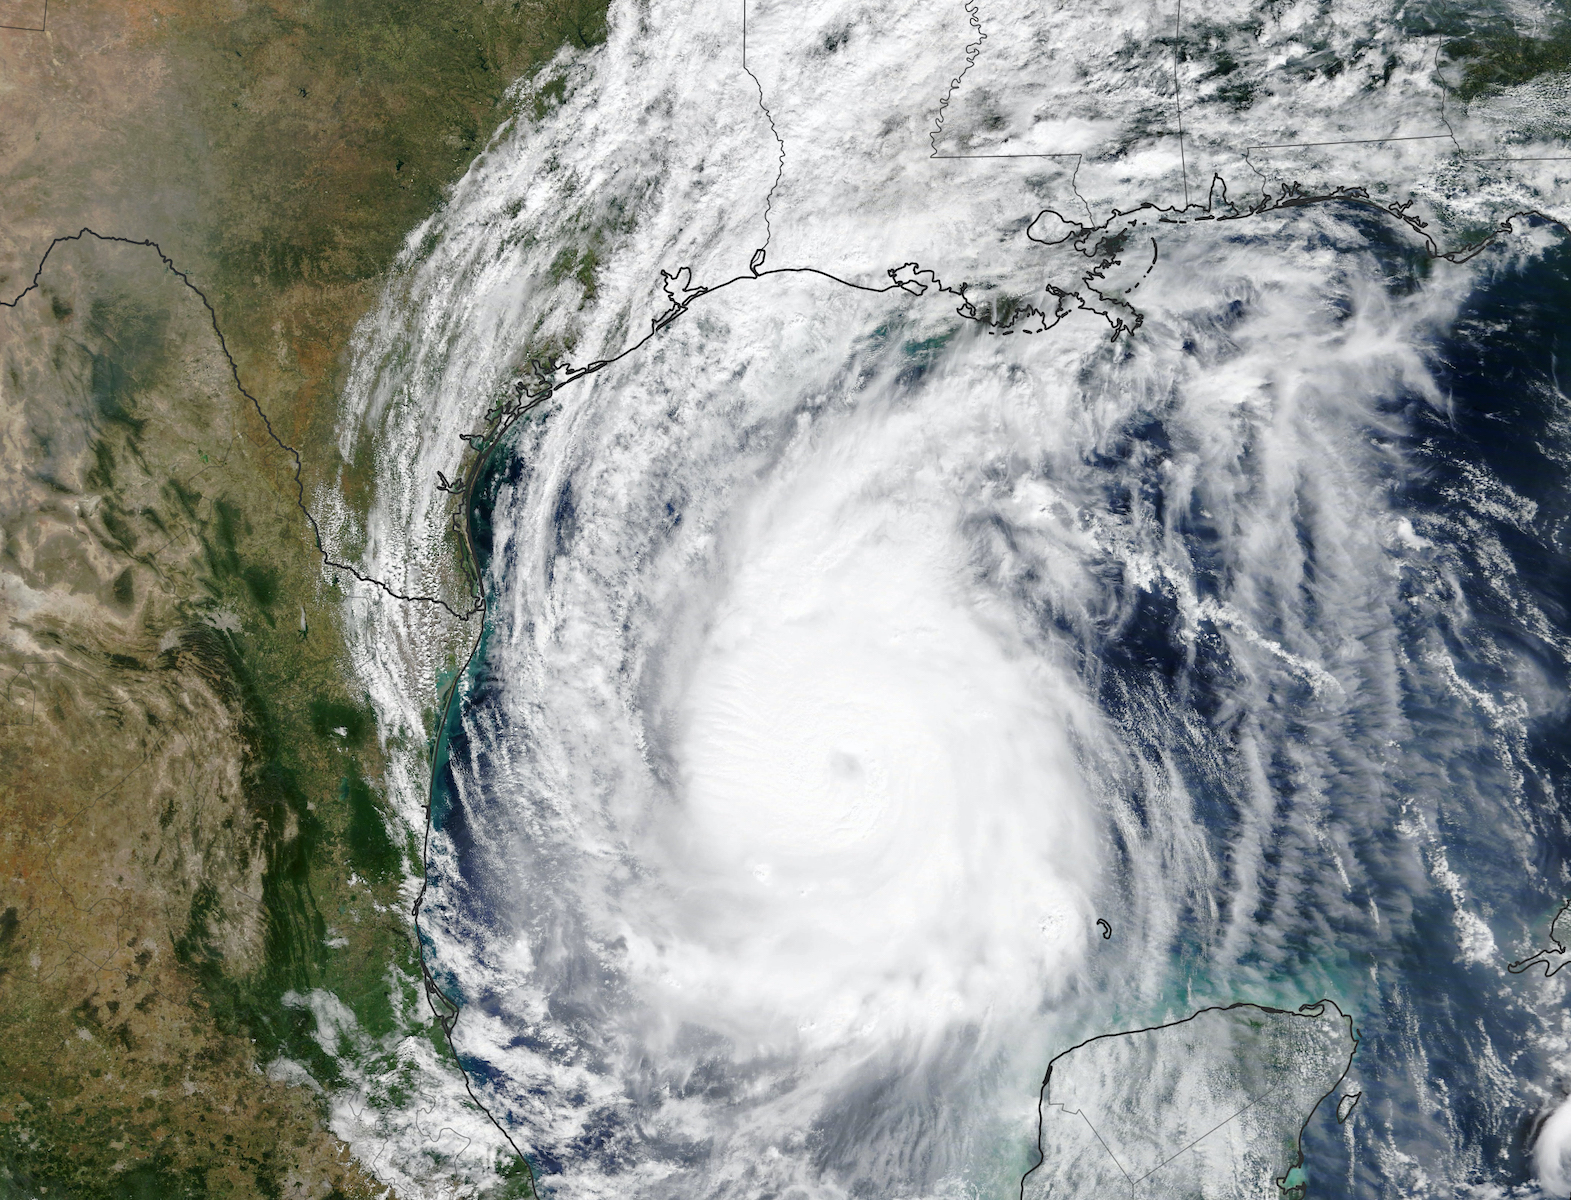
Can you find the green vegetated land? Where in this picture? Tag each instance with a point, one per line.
(1503, 58)
(195, 848)
(363, 111)
(194, 842)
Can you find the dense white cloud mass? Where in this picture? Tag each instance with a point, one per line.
(824, 805)
(848, 656)
(787, 778)
(1552, 1151)
(869, 771)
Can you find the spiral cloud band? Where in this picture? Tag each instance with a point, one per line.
(892, 679)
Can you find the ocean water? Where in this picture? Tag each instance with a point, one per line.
(829, 698)
(854, 659)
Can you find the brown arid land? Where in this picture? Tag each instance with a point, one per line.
(193, 831)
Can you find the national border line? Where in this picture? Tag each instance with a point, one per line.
(42, 27)
(526, 400)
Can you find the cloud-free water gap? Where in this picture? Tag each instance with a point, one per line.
(818, 727)
(729, 765)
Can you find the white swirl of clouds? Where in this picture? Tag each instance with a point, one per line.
(792, 805)
(793, 781)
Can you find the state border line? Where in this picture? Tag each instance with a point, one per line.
(1176, 1154)
(1417, 137)
(973, 51)
(504, 415)
(1227, 1120)
(44, 28)
(1097, 1133)
(758, 255)
(1178, 97)
(1314, 1010)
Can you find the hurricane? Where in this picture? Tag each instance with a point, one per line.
(958, 591)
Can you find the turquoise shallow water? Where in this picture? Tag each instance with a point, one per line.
(1390, 840)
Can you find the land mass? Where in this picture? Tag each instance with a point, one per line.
(204, 925)
(1212, 1106)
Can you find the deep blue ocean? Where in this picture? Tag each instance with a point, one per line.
(1444, 788)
